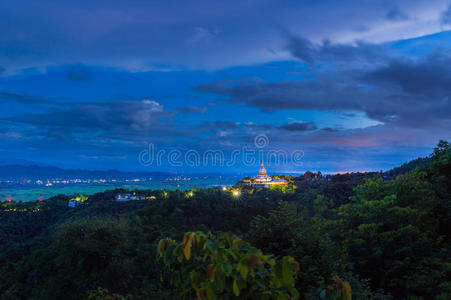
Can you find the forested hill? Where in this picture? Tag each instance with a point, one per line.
(380, 238)
(408, 166)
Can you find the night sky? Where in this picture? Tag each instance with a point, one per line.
(354, 85)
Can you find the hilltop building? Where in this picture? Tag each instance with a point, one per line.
(263, 180)
(262, 176)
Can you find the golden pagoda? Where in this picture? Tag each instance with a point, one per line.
(263, 180)
(262, 176)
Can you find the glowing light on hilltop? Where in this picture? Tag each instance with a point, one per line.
(40, 198)
(236, 193)
(224, 188)
(9, 199)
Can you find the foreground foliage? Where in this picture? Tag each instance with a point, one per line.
(224, 266)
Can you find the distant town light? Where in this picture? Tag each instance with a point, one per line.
(224, 188)
(236, 193)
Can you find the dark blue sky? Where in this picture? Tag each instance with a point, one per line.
(353, 85)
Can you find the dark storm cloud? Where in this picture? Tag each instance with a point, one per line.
(325, 93)
(417, 93)
(77, 72)
(327, 52)
(125, 120)
(429, 76)
(401, 91)
(136, 35)
(298, 126)
(329, 129)
(139, 34)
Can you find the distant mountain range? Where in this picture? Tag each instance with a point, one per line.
(19, 170)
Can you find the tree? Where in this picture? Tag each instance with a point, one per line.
(441, 148)
(286, 232)
(224, 266)
(391, 229)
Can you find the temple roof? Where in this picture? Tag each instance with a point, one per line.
(262, 171)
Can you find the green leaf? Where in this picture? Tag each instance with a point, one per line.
(186, 245)
(243, 271)
(219, 283)
(227, 268)
(236, 289)
(210, 293)
(346, 292)
(287, 272)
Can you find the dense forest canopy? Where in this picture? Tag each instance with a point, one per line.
(386, 235)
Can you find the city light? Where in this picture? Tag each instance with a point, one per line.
(236, 193)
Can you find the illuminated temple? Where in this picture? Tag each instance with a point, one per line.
(263, 180)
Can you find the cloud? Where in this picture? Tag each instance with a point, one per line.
(23, 98)
(404, 92)
(217, 34)
(330, 129)
(125, 120)
(202, 34)
(386, 102)
(428, 76)
(236, 134)
(298, 126)
(328, 52)
(396, 14)
(218, 125)
(192, 109)
(327, 145)
(445, 17)
(322, 93)
(77, 72)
